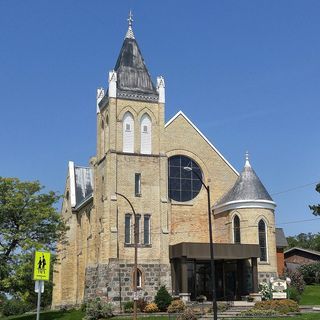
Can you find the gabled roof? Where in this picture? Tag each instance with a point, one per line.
(281, 240)
(133, 78)
(314, 252)
(248, 191)
(180, 113)
(81, 185)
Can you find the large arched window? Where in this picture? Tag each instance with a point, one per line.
(145, 129)
(262, 240)
(128, 132)
(184, 185)
(236, 230)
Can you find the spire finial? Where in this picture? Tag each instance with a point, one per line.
(247, 164)
(130, 19)
(130, 34)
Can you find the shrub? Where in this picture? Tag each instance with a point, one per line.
(258, 312)
(83, 307)
(163, 298)
(296, 280)
(14, 306)
(310, 272)
(281, 306)
(176, 306)
(128, 307)
(187, 314)
(96, 309)
(294, 294)
(151, 307)
(141, 304)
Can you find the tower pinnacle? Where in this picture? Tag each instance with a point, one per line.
(247, 164)
(129, 34)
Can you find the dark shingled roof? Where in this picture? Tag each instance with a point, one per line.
(247, 187)
(281, 240)
(133, 78)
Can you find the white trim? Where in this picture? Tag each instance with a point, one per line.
(72, 184)
(203, 136)
(238, 204)
(100, 95)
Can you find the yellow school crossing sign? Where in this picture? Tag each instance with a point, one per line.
(41, 269)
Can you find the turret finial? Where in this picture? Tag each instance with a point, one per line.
(247, 164)
(130, 34)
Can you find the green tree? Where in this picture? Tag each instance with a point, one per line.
(28, 222)
(163, 298)
(305, 240)
(316, 208)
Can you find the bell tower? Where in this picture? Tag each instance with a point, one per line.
(131, 161)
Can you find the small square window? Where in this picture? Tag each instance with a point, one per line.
(145, 129)
(128, 127)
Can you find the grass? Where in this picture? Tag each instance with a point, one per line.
(305, 316)
(311, 295)
(78, 315)
(51, 315)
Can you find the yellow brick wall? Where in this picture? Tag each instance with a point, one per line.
(96, 232)
(189, 221)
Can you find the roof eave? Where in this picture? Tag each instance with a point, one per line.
(239, 204)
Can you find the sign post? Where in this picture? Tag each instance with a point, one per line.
(41, 273)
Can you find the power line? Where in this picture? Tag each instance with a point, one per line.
(298, 221)
(296, 188)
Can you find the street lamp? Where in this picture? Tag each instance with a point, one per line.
(214, 299)
(135, 272)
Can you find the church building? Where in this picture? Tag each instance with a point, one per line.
(164, 169)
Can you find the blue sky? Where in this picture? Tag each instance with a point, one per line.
(247, 73)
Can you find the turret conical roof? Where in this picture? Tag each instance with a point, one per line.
(247, 189)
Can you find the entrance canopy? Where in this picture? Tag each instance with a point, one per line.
(222, 251)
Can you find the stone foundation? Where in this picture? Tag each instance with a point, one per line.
(265, 276)
(114, 281)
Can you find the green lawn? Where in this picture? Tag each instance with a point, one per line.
(51, 315)
(311, 295)
(78, 315)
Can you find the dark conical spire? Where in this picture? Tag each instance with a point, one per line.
(133, 78)
(248, 187)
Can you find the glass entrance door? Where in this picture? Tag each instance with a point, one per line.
(203, 285)
(230, 275)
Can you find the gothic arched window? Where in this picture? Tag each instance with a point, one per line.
(138, 278)
(128, 133)
(236, 230)
(145, 130)
(262, 240)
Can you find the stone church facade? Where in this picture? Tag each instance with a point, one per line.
(141, 156)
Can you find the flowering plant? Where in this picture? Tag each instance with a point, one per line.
(264, 289)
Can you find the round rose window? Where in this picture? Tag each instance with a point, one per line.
(184, 185)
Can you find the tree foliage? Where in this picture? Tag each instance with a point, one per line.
(316, 208)
(28, 222)
(305, 240)
(163, 298)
